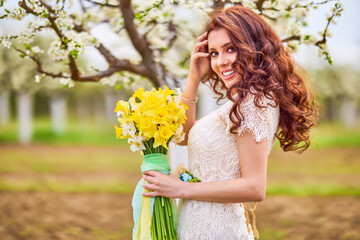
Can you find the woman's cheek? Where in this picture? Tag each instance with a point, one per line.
(213, 66)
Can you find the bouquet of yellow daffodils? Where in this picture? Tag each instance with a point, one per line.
(150, 120)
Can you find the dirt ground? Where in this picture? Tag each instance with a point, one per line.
(49, 215)
(46, 215)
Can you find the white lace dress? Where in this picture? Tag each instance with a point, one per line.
(213, 157)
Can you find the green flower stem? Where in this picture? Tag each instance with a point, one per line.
(162, 222)
(149, 145)
(168, 224)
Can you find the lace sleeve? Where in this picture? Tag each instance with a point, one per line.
(256, 120)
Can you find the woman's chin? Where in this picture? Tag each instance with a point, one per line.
(229, 83)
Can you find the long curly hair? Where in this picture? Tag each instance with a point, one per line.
(265, 67)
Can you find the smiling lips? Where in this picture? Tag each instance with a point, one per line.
(228, 74)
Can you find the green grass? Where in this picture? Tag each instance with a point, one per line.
(313, 189)
(69, 160)
(331, 169)
(80, 133)
(272, 234)
(326, 135)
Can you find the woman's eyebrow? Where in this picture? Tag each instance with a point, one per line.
(221, 46)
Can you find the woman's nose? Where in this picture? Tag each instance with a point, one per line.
(223, 60)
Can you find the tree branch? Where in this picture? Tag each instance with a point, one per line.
(259, 5)
(120, 65)
(103, 4)
(47, 6)
(173, 34)
(291, 38)
(140, 42)
(23, 5)
(219, 4)
(75, 74)
(268, 17)
(323, 40)
(111, 59)
(291, 7)
(115, 65)
(39, 65)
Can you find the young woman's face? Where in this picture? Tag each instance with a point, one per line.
(222, 54)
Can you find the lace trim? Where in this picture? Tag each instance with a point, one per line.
(256, 120)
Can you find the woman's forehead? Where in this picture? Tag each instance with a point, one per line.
(218, 37)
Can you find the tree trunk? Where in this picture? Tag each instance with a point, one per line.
(100, 114)
(110, 104)
(58, 110)
(25, 118)
(207, 101)
(348, 112)
(4, 108)
(83, 111)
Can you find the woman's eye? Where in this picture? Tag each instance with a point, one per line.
(231, 49)
(213, 54)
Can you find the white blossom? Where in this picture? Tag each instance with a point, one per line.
(188, 26)
(36, 49)
(119, 113)
(179, 135)
(129, 129)
(57, 52)
(64, 23)
(136, 143)
(6, 43)
(67, 82)
(178, 96)
(37, 78)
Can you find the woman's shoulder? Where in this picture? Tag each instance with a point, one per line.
(252, 101)
(258, 113)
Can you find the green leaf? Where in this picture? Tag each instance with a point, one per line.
(27, 46)
(74, 53)
(119, 87)
(46, 14)
(6, 10)
(138, 16)
(22, 55)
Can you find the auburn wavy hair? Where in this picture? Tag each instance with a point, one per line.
(266, 67)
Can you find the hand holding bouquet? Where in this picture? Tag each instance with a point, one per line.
(150, 120)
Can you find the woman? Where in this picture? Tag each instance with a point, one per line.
(228, 149)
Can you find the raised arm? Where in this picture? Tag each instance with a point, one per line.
(250, 187)
(199, 66)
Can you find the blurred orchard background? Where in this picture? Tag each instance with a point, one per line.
(64, 65)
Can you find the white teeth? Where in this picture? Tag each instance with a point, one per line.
(228, 73)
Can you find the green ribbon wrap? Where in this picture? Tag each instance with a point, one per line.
(143, 207)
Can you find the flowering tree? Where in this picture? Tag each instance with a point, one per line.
(161, 34)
